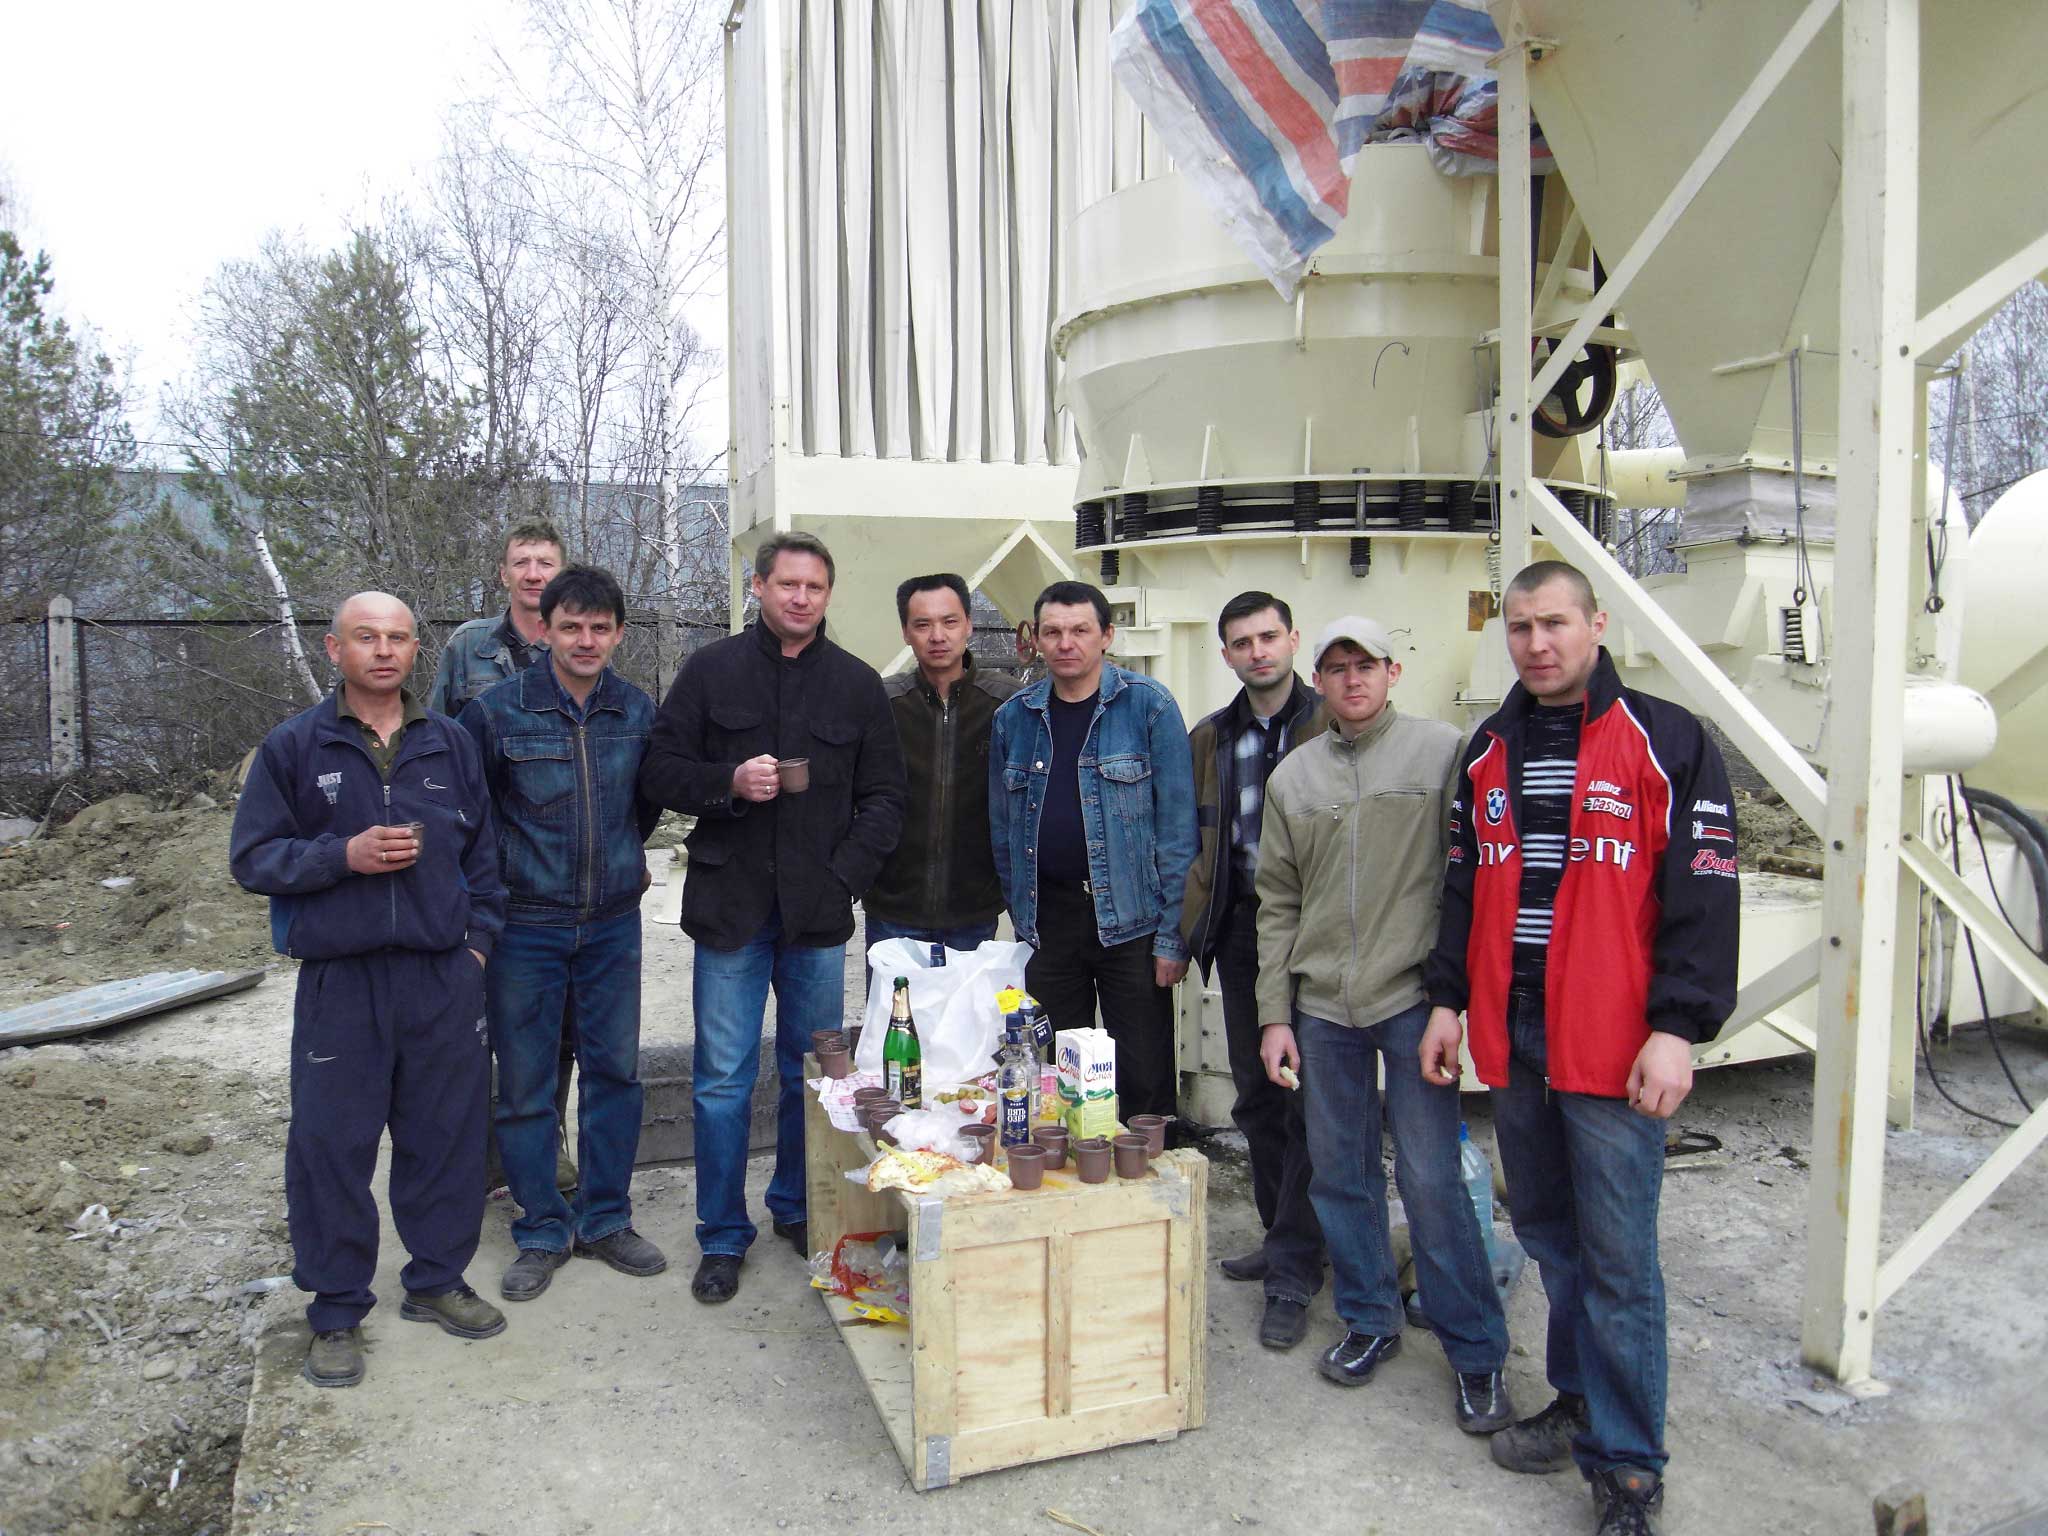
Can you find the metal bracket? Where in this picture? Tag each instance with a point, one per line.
(930, 1228)
(938, 1458)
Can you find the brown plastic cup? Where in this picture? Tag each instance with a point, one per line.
(794, 774)
(982, 1140)
(1131, 1156)
(1092, 1158)
(1054, 1139)
(863, 1097)
(879, 1114)
(823, 1040)
(836, 1063)
(1027, 1165)
(1153, 1129)
(418, 829)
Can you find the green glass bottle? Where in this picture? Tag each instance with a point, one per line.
(902, 1056)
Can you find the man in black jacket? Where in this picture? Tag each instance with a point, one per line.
(782, 746)
(367, 822)
(940, 885)
(1235, 752)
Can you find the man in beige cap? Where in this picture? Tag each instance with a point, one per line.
(1351, 857)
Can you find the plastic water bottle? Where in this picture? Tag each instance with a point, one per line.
(1478, 1176)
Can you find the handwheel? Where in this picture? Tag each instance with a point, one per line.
(1583, 395)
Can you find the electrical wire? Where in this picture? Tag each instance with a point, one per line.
(1955, 854)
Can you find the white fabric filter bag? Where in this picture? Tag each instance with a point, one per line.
(959, 1025)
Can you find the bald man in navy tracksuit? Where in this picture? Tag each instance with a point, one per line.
(367, 822)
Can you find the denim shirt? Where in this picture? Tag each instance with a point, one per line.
(571, 822)
(480, 654)
(1137, 787)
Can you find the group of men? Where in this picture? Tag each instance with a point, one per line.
(1357, 878)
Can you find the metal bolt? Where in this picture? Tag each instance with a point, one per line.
(1838, 845)
(1835, 941)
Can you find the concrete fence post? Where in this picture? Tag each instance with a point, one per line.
(67, 722)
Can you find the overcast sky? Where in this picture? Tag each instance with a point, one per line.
(149, 143)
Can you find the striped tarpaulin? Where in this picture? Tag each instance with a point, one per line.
(1265, 103)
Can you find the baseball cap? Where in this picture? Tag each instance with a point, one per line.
(1367, 635)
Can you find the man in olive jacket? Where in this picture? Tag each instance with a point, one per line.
(940, 885)
(774, 871)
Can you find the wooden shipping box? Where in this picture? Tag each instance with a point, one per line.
(1043, 1323)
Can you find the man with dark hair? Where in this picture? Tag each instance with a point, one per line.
(1590, 912)
(939, 886)
(562, 745)
(774, 870)
(1092, 816)
(1348, 877)
(480, 654)
(367, 822)
(1235, 751)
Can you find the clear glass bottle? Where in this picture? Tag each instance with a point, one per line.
(1017, 1077)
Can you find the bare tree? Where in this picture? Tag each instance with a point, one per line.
(1998, 416)
(629, 113)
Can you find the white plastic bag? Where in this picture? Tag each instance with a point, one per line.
(959, 1025)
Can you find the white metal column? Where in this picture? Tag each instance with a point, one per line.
(1517, 278)
(1860, 896)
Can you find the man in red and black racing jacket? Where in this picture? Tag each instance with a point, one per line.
(1588, 934)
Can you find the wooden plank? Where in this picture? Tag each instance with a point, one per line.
(1189, 1327)
(1001, 1365)
(1118, 1322)
(934, 1351)
(1018, 1445)
(881, 1356)
(1059, 1314)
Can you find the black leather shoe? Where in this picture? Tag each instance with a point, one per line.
(1351, 1361)
(799, 1235)
(1543, 1442)
(530, 1274)
(1285, 1323)
(626, 1251)
(718, 1278)
(1482, 1402)
(1245, 1266)
(1629, 1500)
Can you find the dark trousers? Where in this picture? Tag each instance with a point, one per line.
(1270, 1119)
(1073, 972)
(395, 1038)
(1585, 1176)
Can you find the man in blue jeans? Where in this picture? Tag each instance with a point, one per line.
(562, 744)
(781, 745)
(1590, 912)
(1351, 851)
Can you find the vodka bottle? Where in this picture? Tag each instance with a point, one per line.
(1016, 1086)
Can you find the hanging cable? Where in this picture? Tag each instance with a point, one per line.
(1936, 560)
(1803, 583)
(1955, 855)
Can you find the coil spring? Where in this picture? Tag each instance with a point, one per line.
(1575, 503)
(1089, 521)
(1308, 505)
(1414, 495)
(1460, 507)
(1361, 557)
(1209, 509)
(1603, 512)
(1112, 566)
(1137, 509)
(1493, 565)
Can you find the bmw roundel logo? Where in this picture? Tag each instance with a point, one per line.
(1496, 806)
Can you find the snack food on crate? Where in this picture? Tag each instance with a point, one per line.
(932, 1173)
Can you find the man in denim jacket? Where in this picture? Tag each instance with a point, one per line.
(1092, 814)
(562, 744)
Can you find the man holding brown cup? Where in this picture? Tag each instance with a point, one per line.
(782, 746)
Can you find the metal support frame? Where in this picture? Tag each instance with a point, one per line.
(1876, 869)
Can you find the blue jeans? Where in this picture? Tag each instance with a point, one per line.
(538, 972)
(1584, 1176)
(973, 936)
(1340, 1081)
(731, 991)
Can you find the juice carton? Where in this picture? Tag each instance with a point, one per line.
(1087, 1081)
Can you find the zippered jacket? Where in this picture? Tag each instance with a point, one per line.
(571, 820)
(943, 872)
(1351, 855)
(1137, 807)
(313, 786)
(478, 655)
(1212, 875)
(1643, 934)
(807, 857)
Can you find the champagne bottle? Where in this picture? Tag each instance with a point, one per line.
(902, 1056)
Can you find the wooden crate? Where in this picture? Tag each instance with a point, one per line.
(1043, 1323)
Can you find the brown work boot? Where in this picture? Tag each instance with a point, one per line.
(335, 1358)
(626, 1251)
(461, 1312)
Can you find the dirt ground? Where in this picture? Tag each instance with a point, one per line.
(142, 1231)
